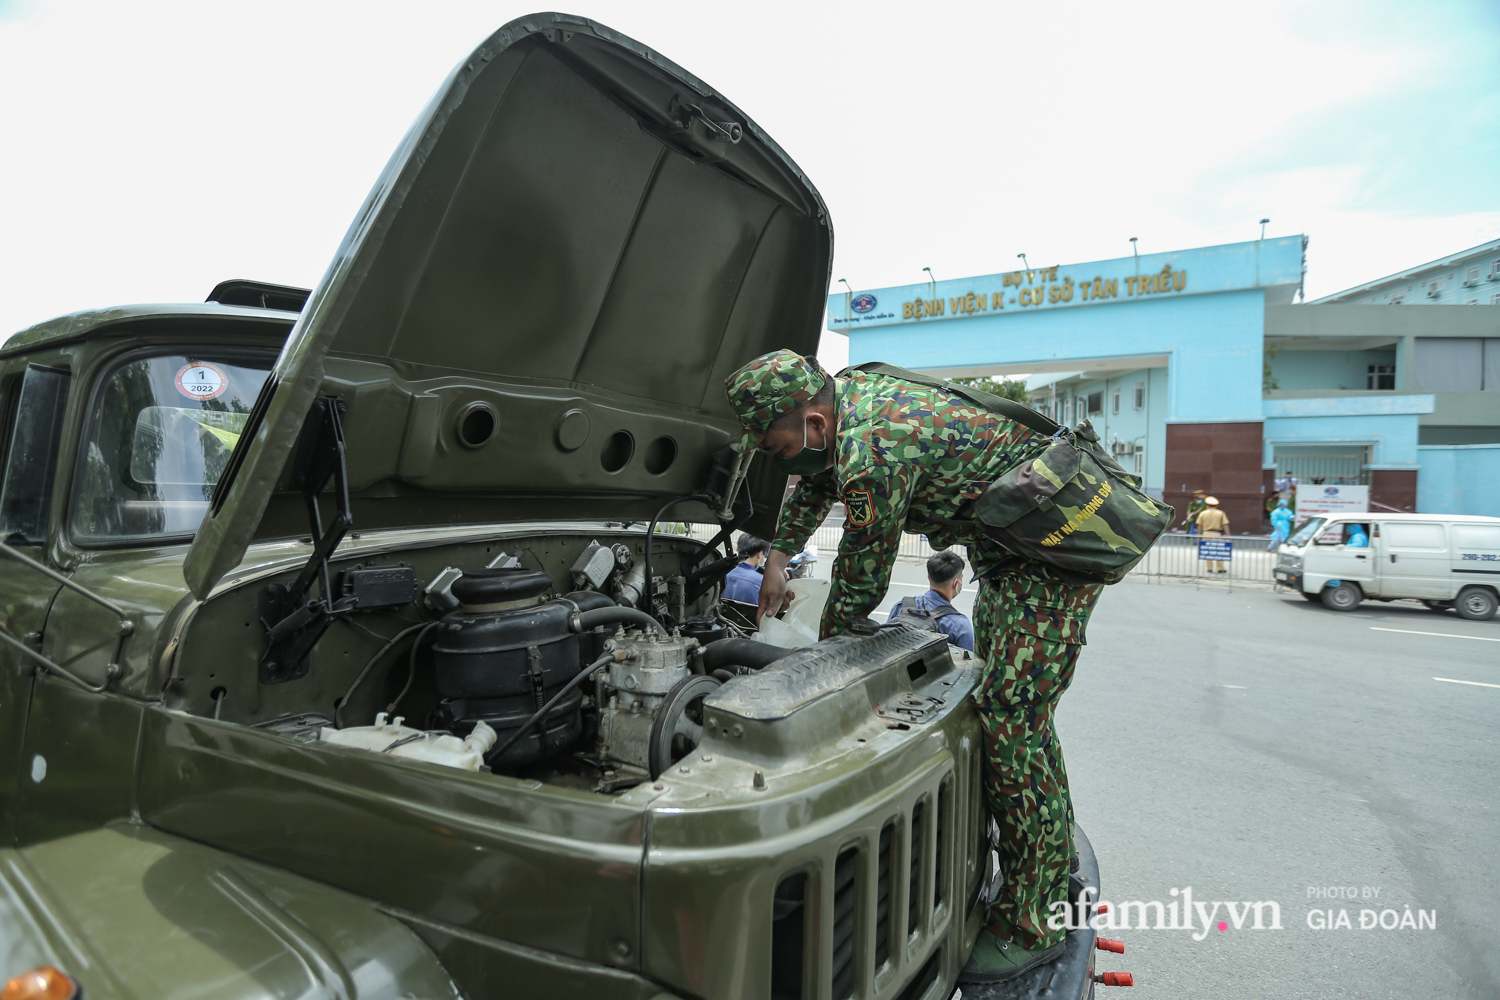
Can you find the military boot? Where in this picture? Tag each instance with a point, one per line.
(995, 960)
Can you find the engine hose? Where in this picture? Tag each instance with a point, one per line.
(585, 620)
(737, 652)
(648, 594)
(541, 713)
(588, 600)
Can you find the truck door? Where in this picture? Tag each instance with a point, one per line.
(34, 402)
(1415, 560)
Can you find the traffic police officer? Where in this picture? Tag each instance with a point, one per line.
(902, 456)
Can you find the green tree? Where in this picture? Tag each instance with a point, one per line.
(1008, 388)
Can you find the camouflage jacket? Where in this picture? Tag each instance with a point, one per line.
(909, 458)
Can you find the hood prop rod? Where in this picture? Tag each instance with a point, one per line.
(734, 471)
(293, 622)
(701, 579)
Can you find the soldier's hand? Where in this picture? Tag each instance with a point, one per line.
(773, 595)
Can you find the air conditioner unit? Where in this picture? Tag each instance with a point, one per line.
(1494, 275)
(1433, 293)
(1473, 281)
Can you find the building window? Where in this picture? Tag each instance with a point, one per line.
(1096, 402)
(1140, 395)
(1471, 302)
(1495, 299)
(1495, 267)
(1115, 400)
(1380, 377)
(1396, 298)
(1436, 285)
(1472, 274)
(1129, 454)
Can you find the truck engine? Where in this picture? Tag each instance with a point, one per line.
(578, 690)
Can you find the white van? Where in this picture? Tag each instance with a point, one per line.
(1442, 560)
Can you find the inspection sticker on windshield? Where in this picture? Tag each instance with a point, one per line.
(201, 381)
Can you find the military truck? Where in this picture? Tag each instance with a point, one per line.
(341, 656)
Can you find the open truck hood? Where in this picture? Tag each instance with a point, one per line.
(569, 237)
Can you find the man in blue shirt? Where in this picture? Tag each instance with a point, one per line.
(945, 578)
(743, 582)
(1357, 537)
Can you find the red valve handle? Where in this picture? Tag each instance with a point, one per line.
(1116, 979)
(1108, 944)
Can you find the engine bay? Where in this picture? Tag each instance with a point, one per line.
(527, 654)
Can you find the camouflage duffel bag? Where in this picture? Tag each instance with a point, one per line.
(1073, 506)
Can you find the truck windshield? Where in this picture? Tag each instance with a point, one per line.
(1305, 534)
(161, 432)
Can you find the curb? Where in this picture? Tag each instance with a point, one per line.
(1206, 584)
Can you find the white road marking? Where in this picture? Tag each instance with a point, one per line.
(1445, 635)
(1237, 687)
(1478, 684)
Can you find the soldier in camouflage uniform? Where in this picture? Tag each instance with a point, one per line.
(904, 457)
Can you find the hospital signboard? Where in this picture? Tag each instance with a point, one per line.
(1315, 500)
(1234, 267)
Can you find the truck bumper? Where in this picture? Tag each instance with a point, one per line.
(1071, 977)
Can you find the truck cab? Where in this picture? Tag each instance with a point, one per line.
(1447, 562)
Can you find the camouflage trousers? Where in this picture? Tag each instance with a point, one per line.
(1029, 630)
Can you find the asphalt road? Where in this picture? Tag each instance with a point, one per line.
(1260, 748)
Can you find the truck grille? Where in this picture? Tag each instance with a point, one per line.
(870, 919)
(915, 908)
(788, 937)
(883, 897)
(845, 872)
(945, 795)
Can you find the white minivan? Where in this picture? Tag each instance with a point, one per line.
(1442, 560)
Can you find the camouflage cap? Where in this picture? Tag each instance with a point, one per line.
(769, 387)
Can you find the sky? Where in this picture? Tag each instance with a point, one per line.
(150, 150)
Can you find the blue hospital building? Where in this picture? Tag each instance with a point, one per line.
(1201, 371)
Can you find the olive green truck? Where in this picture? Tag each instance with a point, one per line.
(343, 653)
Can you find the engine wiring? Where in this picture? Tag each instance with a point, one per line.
(338, 707)
(411, 667)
